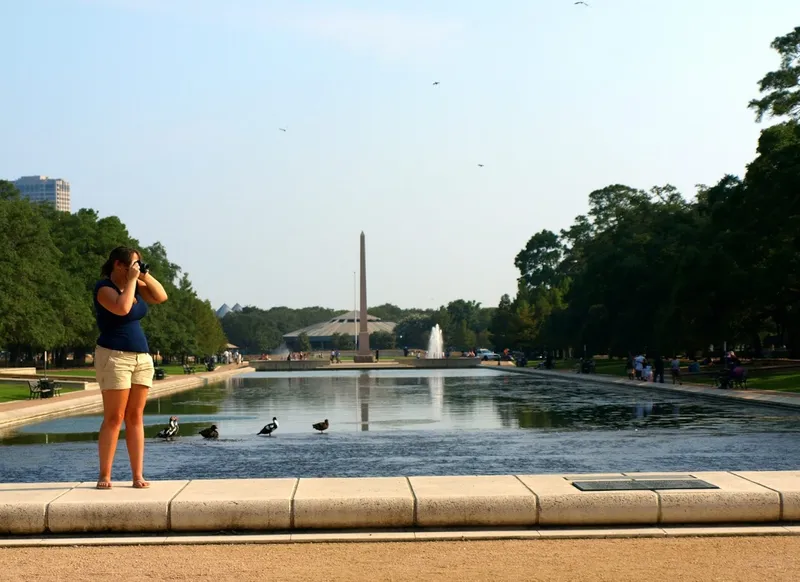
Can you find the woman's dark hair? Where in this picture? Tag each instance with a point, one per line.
(121, 254)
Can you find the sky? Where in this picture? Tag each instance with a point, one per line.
(166, 114)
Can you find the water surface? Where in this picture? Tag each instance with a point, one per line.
(440, 422)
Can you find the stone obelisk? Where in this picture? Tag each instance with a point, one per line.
(363, 354)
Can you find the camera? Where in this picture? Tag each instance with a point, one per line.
(143, 267)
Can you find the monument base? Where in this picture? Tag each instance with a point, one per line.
(363, 359)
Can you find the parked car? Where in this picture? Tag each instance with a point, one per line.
(487, 355)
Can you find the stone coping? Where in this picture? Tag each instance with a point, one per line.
(761, 397)
(317, 365)
(381, 503)
(417, 535)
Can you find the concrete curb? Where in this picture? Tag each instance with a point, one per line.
(761, 397)
(91, 400)
(309, 505)
(405, 536)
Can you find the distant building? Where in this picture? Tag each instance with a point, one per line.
(225, 310)
(321, 334)
(53, 191)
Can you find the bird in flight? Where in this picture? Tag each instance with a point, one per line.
(584, 3)
(282, 128)
(480, 165)
(436, 82)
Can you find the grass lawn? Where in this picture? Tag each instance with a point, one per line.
(9, 392)
(782, 382)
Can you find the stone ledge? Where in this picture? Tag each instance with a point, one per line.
(576, 533)
(23, 506)
(223, 505)
(353, 503)
(562, 504)
(121, 509)
(736, 500)
(303, 506)
(469, 501)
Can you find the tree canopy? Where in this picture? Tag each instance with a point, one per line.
(653, 270)
(49, 264)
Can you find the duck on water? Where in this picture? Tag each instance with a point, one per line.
(210, 433)
(270, 427)
(171, 430)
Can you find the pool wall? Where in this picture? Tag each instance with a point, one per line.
(289, 505)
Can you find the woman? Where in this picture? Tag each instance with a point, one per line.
(122, 358)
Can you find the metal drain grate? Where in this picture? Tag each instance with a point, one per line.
(642, 484)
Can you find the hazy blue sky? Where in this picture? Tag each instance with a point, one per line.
(166, 113)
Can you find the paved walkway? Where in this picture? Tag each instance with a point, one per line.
(767, 397)
(776, 559)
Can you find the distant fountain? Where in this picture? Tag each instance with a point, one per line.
(281, 351)
(435, 344)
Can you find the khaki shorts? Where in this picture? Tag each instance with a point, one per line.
(118, 370)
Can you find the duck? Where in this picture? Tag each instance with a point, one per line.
(210, 433)
(270, 427)
(171, 430)
(321, 426)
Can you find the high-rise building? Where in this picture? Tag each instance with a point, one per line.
(54, 191)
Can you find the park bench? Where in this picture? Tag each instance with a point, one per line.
(35, 389)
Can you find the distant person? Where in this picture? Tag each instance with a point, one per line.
(629, 368)
(658, 367)
(377, 355)
(638, 366)
(675, 370)
(647, 374)
(333, 355)
(122, 360)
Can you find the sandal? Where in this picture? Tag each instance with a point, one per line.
(104, 485)
(141, 484)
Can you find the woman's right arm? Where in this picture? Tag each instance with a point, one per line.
(120, 303)
(117, 303)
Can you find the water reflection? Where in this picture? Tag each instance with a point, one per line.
(362, 390)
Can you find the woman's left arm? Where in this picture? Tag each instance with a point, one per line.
(151, 290)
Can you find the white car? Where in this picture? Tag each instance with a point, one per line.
(486, 355)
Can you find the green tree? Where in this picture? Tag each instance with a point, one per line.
(34, 291)
(463, 337)
(382, 340)
(343, 341)
(782, 87)
(388, 312)
(303, 343)
(413, 331)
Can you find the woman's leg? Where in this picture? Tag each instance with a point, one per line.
(134, 432)
(114, 403)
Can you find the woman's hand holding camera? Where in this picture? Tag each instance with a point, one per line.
(133, 271)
